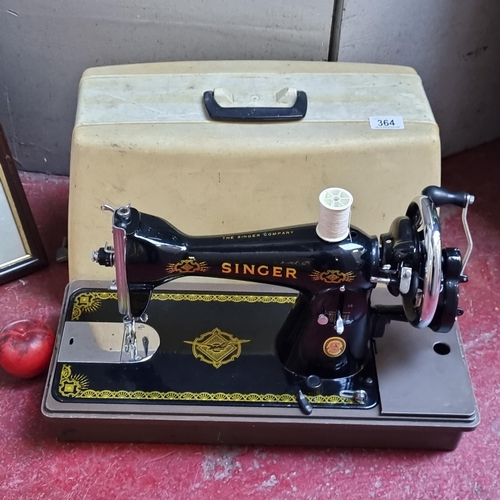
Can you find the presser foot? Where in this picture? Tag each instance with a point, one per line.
(130, 350)
(137, 344)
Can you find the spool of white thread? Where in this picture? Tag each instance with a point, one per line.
(334, 214)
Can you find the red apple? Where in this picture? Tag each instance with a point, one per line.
(25, 348)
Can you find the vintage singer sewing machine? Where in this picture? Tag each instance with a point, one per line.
(310, 352)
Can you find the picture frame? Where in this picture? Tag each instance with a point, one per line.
(21, 249)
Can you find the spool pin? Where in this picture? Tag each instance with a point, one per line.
(334, 214)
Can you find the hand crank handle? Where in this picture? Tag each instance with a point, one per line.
(441, 197)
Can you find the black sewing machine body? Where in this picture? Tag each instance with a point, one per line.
(333, 281)
(321, 355)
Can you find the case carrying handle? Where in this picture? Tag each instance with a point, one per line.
(296, 112)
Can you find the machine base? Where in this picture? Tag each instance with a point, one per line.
(214, 380)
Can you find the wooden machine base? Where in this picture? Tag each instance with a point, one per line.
(210, 375)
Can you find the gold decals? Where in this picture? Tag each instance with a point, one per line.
(77, 386)
(71, 385)
(187, 266)
(277, 233)
(259, 270)
(266, 234)
(209, 297)
(241, 236)
(216, 348)
(334, 347)
(91, 301)
(333, 276)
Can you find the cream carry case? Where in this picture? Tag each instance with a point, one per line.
(144, 135)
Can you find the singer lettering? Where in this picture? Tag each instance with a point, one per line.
(259, 270)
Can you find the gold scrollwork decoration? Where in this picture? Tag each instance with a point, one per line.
(72, 385)
(91, 301)
(333, 276)
(77, 386)
(208, 297)
(216, 347)
(187, 266)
